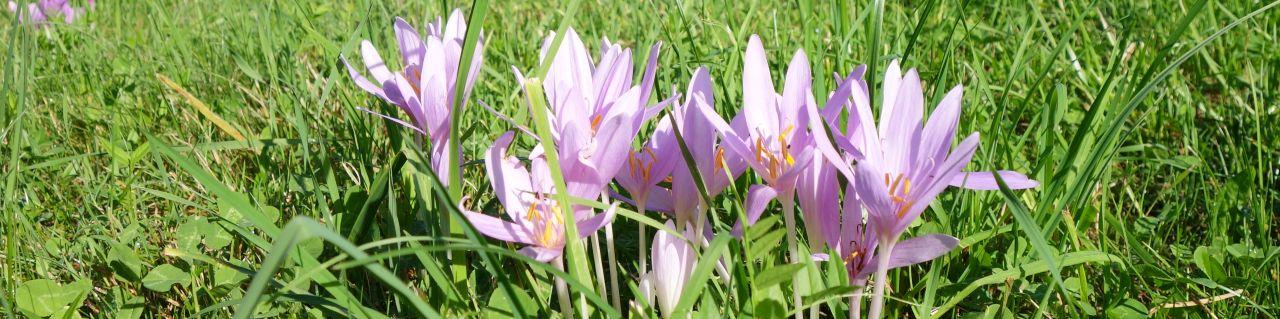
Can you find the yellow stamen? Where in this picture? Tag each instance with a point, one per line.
(720, 161)
(532, 214)
(903, 211)
(595, 122)
(894, 187)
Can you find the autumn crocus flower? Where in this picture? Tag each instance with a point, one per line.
(673, 262)
(774, 140)
(595, 114)
(715, 166)
(527, 194)
(908, 162)
(841, 226)
(424, 88)
(38, 13)
(595, 110)
(774, 137)
(649, 165)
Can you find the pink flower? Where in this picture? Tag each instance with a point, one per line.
(527, 194)
(424, 89)
(40, 12)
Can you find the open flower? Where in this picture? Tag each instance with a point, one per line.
(527, 194)
(595, 110)
(908, 162)
(40, 12)
(650, 164)
(842, 226)
(710, 159)
(774, 139)
(673, 262)
(424, 89)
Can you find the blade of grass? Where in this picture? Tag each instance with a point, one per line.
(201, 107)
(302, 228)
(1029, 269)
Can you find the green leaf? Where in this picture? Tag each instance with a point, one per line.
(501, 306)
(777, 275)
(44, 298)
(1208, 264)
(214, 236)
(702, 273)
(124, 262)
(131, 309)
(224, 275)
(1033, 232)
(163, 277)
(1129, 309)
(248, 69)
(1037, 267)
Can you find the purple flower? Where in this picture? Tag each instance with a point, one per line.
(42, 11)
(673, 262)
(841, 226)
(651, 164)
(710, 159)
(774, 136)
(595, 110)
(908, 162)
(424, 89)
(527, 194)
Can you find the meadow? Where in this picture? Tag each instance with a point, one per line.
(215, 158)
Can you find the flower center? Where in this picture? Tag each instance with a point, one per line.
(414, 75)
(547, 217)
(901, 198)
(595, 122)
(640, 168)
(775, 162)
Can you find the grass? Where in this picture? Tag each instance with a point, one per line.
(1157, 157)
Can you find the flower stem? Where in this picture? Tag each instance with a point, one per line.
(613, 263)
(562, 291)
(855, 303)
(643, 253)
(793, 252)
(882, 275)
(599, 263)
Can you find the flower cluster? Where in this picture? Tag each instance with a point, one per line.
(859, 181)
(42, 11)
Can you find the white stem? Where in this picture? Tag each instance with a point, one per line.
(599, 263)
(562, 290)
(613, 264)
(793, 252)
(643, 253)
(882, 275)
(855, 303)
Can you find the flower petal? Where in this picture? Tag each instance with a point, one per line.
(542, 254)
(935, 139)
(374, 63)
(591, 224)
(411, 48)
(361, 81)
(759, 99)
(510, 179)
(901, 128)
(985, 181)
(758, 198)
(916, 250)
(498, 229)
(798, 88)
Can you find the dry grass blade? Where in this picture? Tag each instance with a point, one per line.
(200, 106)
(1197, 302)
